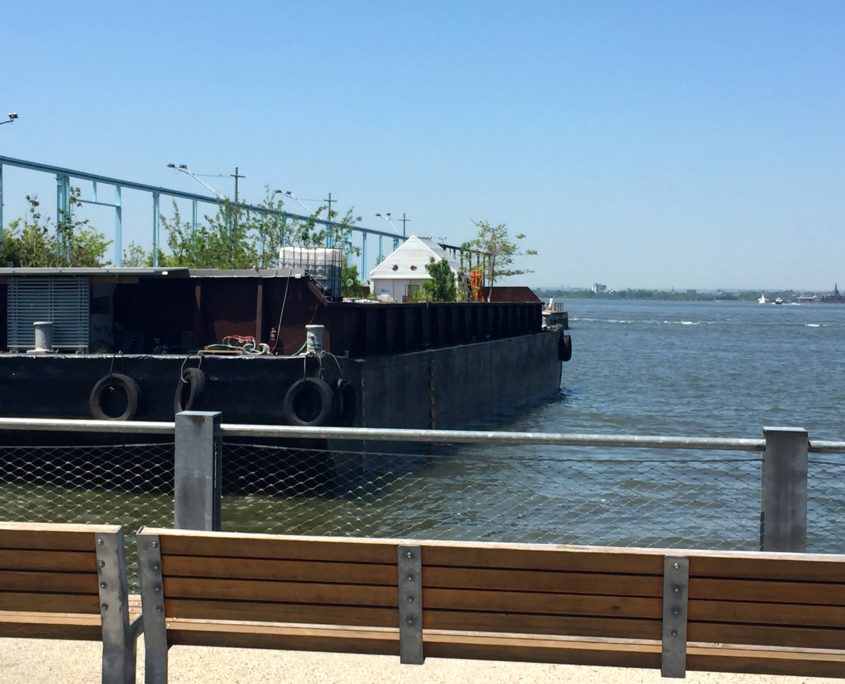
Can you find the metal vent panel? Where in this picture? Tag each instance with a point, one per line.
(63, 300)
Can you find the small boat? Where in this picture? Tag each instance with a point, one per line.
(779, 300)
(762, 299)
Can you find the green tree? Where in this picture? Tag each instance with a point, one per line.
(236, 237)
(36, 241)
(351, 285)
(495, 251)
(441, 286)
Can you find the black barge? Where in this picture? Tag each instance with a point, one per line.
(139, 344)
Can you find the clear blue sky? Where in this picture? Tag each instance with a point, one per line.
(638, 144)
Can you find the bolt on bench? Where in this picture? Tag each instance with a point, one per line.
(723, 611)
(68, 582)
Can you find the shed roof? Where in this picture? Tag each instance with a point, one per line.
(408, 261)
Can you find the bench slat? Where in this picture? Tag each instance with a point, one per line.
(50, 626)
(547, 604)
(61, 582)
(283, 548)
(60, 561)
(795, 662)
(561, 650)
(49, 603)
(51, 536)
(551, 558)
(291, 592)
(767, 613)
(768, 566)
(810, 593)
(541, 580)
(582, 626)
(260, 569)
(766, 635)
(290, 637)
(281, 612)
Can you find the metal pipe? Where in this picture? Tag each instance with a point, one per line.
(131, 185)
(420, 436)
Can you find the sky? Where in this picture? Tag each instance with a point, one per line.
(637, 144)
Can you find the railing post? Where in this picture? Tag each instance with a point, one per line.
(783, 511)
(198, 470)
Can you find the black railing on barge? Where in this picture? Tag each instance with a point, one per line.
(372, 329)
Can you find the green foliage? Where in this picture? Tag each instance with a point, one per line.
(135, 256)
(495, 251)
(35, 241)
(441, 286)
(351, 285)
(235, 237)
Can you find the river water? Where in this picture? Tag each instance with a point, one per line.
(697, 369)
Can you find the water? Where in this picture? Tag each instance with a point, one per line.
(698, 369)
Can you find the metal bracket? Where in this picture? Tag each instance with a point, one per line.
(152, 603)
(673, 660)
(118, 644)
(410, 605)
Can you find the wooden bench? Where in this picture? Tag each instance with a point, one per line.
(698, 610)
(68, 582)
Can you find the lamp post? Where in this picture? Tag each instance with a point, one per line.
(387, 216)
(13, 116)
(183, 168)
(290, 195)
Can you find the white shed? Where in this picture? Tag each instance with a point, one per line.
(403, 272)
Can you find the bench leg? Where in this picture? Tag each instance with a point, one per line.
(152, 602)
(118, 637)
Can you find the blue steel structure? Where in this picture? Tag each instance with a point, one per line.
(63, 185)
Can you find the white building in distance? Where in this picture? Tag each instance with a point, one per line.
(403, 272)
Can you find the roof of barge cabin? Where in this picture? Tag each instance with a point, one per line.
(178, 272)
(510, 293)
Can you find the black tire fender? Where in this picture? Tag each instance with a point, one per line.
(192, 382)
(345, 401)
(564, 347)
(114, 381)
(309, 401)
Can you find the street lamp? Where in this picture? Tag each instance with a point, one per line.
(11, 119)
(184, 169)
(387, 216)
(289, 194)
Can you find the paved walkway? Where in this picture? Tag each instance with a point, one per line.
(33, 661)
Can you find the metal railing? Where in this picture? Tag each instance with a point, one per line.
(64, 175)
(629, 490)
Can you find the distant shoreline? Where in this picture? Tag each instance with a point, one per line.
(685, 295)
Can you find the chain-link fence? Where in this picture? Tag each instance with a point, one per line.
(826, 503)
(570, 495)
(677, 498)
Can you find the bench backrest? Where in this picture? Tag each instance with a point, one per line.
(635, 607)
(66, 581)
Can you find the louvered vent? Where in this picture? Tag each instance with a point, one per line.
(62, 300)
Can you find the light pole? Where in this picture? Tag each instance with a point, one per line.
(386, 216)
(184, 169)
(289, 194)
(12, 117)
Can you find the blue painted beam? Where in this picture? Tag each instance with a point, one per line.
(170, 192)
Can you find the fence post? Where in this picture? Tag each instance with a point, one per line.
(783, 511)
(198, 470)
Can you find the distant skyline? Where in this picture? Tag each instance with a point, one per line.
(641, 145)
